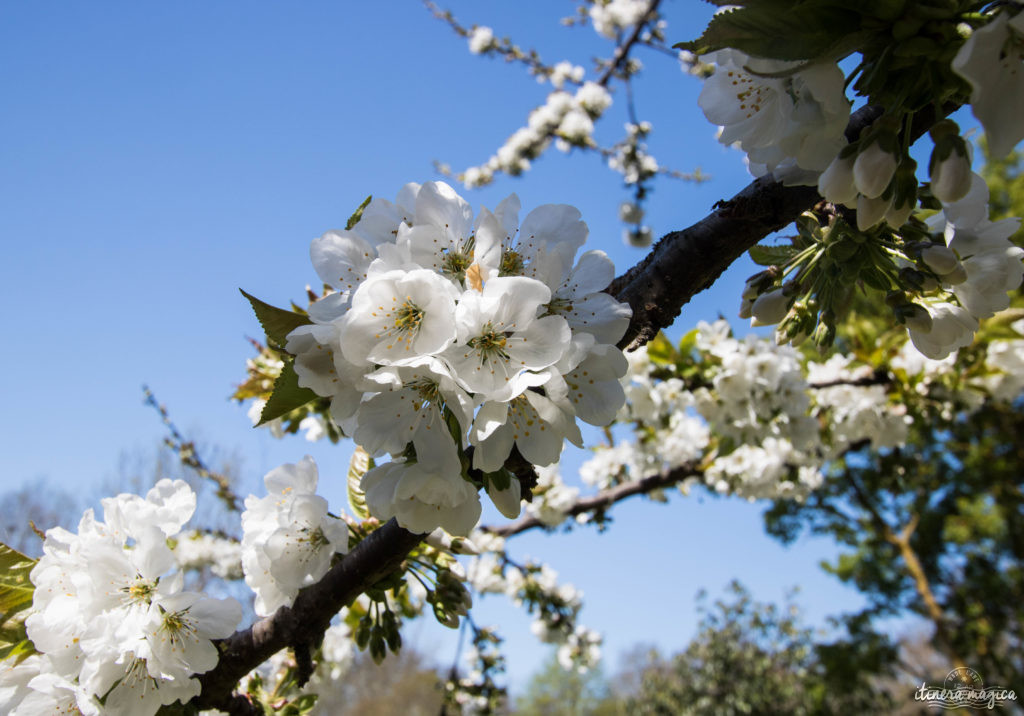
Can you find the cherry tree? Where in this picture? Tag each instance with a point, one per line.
(459, 349)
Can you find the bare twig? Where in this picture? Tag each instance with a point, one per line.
(186, 451)
(507, 50)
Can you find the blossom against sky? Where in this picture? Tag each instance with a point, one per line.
(158, 158)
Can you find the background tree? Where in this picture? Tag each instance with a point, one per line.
(557, 691)
(750, 657)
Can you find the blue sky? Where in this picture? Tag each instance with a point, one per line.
(154, 158)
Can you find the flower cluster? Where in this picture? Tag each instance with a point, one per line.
(753, 407)
(788, 121)
(566, 117)
(109, 617)
(552, 498)
(941, 276)
(446, 332)
(288, 537)
(974, 260)
(790, 117)
(611, 17)
(477, 692)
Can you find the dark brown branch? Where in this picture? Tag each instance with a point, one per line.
(684, 263)
(878, 377)
(305, 621)
(604, 499)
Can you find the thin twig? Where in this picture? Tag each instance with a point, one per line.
(186, 451)
(604, 499)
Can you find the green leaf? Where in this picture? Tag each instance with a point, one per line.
(286, 395)
(358, 213)
(305, 703)
(688, 342)
(661, 350)
(771, 255)
(16, 592)
(15, 587)
(360, 463)
(781, 30)
(277, 323)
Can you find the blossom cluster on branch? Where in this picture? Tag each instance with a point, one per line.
(446, 332)
(467, 346)
(114, 630)
(787, 110)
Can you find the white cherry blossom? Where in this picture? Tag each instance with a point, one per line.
(580, 299)
(421, 499)
(952, 328)
(441, 237)
(538, 424)
(992, 61)
(500, 335)
(397, 317)
(288, 538)
(322, 367)
(775, 110)
(409, 408)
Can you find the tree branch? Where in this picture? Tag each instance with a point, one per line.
(622, 51)
(604, 499)
(305, 621)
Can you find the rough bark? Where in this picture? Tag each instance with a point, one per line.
(304, 623)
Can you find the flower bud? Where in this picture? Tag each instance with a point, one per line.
(639, 237)
(824, 335)
(940, 259)
(870, 211)
(898, 217)
(837, 184)
(630, 213)
(955, 277)
(904, 194)
(916, 317)
(509, 500)
(769, 308)
(745, 306)
(950, 169)
(873, 170)
(759, 282)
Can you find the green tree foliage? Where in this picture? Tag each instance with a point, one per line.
(937, 529)
(404, 683)
(750, 657)
(554, 691)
